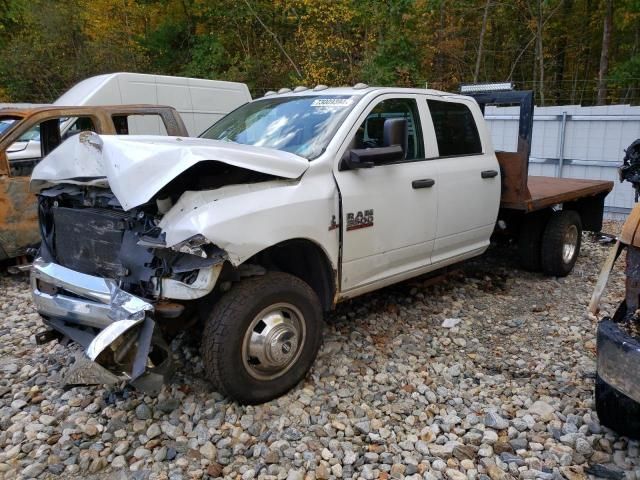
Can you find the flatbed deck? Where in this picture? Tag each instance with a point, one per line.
(544, 192)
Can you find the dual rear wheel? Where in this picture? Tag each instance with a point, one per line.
(550, 242)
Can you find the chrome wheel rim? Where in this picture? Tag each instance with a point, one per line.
(570, 243)
(273, 342)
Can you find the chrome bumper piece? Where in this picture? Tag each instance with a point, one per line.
(69, 301)
(94, 301)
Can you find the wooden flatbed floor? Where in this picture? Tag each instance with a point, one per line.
(547, 191)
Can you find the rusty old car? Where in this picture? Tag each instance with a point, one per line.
(29, 133)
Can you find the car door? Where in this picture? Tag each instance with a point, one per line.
(388, 211)
(469, 180)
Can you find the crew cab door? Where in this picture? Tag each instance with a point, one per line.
(389, 210)
(469, 179)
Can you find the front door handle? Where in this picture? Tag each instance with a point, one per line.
(489, 173)
(424, 183)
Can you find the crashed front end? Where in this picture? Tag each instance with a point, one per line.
(113, 271)
(104, 278)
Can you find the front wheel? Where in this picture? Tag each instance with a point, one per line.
(262, 337)
(561, 243)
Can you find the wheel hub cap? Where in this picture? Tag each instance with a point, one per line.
(570, 243)
(282, 345)
(273, 342)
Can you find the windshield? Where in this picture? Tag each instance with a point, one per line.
(32, 134)
(301, 125)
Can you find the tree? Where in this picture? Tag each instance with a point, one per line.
(559, 48)
(604, 54)
(483, 31)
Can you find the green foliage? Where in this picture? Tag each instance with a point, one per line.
(628, 72)
(168, 46)
(208, 58)
(48, 45)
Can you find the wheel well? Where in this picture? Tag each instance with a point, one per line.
(307, 261)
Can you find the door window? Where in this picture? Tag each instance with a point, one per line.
(371, 132)
(41, 139)
(456, 131)
(6, 122)
(139, 124)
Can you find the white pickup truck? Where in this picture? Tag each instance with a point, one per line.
(285, 207)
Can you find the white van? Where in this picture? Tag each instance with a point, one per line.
(200, 102)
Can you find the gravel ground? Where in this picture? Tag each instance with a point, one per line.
(486, 374)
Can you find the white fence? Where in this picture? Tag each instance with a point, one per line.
(576, 142)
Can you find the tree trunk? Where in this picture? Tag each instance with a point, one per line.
(439, 63)
(604, 54)
(481, 40)
(560, 88)
(540, 52)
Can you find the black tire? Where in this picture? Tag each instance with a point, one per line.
(616, 410)
(226, 359)
(530, 241)
(563, 228)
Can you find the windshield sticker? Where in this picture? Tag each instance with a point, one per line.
(332, 102)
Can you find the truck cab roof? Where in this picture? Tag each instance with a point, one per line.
(321, 90)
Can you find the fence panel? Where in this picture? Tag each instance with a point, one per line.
(575, 142)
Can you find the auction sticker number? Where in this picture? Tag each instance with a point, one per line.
(332, 102)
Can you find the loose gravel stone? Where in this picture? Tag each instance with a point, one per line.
(487, 374)
(143, 412)
(493, 420)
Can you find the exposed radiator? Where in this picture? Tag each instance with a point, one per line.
(88, 240)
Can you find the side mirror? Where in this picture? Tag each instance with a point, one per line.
(396, 132)
(369, 157)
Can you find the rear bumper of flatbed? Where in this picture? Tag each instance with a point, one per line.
(544, 192)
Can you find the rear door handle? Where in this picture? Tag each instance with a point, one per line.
(489, 173)
(424, 183)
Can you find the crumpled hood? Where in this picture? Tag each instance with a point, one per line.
(137, 167)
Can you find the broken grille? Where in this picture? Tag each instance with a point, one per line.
(88, 240)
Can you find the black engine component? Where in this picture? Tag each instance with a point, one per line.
(86, 230)
(630, 169)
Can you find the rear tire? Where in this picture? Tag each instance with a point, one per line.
(616, 410)
(561, 243)
(262, 337)
(530, 241)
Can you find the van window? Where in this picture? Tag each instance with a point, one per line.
(370, 133)
(456, 131)
(139, 124)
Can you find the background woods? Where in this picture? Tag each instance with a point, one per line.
(569, 51)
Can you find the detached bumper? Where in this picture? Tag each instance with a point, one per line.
(95, 313)
(619, 359)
